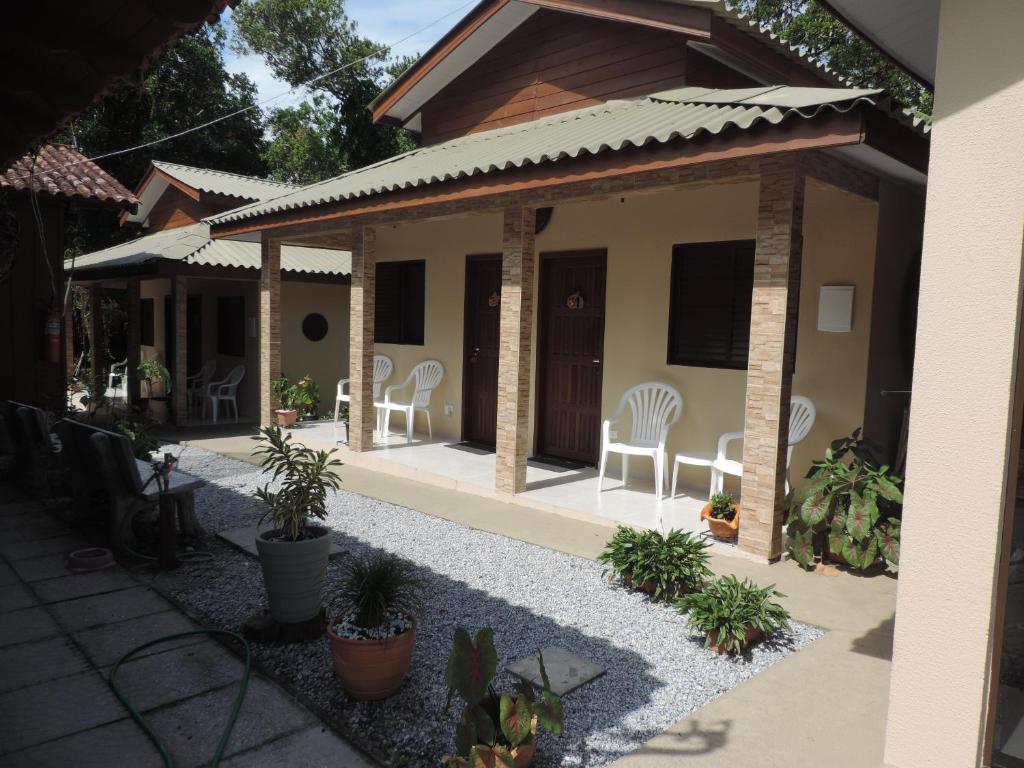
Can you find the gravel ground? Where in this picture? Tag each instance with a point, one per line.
(658, 671)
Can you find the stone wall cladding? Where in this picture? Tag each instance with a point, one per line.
(518, 262)
(363, 295)
(96, 340)
(270, 326)
(179, 372)
(134, 340)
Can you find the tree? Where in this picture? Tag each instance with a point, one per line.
(306, 39)
(824, 38)
(302, 149)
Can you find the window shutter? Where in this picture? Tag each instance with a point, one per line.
(387, 320)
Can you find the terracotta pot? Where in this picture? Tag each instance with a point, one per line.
(721, 529)
(286, 418)
(372, 669)
(752, 635)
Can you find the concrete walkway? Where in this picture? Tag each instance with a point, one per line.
(60, 633)
(822, 706)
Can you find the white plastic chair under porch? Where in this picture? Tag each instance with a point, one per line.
(117, 382)
(424, 379)
(382, 369)
(654, 408)
(226, 389)
(198, 382)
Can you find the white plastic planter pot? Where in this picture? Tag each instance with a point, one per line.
(294, 574)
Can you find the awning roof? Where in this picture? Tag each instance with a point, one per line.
(679, 114)
(192, 245)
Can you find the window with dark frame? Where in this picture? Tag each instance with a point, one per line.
(147, 335)
(399, 302)
(709, 305)
(231, 326)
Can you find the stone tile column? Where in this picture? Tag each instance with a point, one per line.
(773, 325)
(270, 325)
(69, 340)
(360, 367)
(134, 341)
(517, 269)
(97, 344)
(179, 363)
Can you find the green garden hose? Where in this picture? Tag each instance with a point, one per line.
(235, 707)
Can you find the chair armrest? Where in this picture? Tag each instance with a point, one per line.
(396, 388)
(723, 443)
(342, 383)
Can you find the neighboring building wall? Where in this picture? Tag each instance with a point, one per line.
(961, 428)
(325, 360)
(175, 209)
(156, 290)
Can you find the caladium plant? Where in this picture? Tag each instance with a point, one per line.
(494, 724)
(849, 508)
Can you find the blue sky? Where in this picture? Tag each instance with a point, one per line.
(385, 21)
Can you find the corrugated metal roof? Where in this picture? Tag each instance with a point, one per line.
(681, 113)
(192, 245)
(224, 183)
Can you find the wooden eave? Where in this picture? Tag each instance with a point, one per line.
(158, 268)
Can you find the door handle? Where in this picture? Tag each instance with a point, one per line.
(596, 361)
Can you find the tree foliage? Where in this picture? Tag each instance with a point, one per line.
(822, 36)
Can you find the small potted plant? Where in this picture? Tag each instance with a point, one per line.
(495, 729)
(293, 554)
(307, 398)
(723, 516)
(664, 567)
(153, 378)
(286, 395)
(373, 636)
(734, 614)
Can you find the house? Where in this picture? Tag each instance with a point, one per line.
(611, 195)
(956, 690)
(181, 285)
(35, 193)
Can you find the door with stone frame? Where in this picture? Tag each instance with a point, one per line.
(481, 343)
(570, 353)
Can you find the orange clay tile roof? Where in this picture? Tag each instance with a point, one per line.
(63, 171)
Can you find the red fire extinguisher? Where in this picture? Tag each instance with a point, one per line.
(51, 337)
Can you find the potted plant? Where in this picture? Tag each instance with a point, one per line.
(848, 510)
(733, 614)
(665, 567)
(373, 634)
(293, 554)
(495, 729)
(286, 395)
(307, 398)
(723, 516)
(154, 377)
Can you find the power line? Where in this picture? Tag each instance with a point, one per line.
(222, 118)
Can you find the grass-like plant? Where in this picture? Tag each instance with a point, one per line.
(374, 589)
(666, 565)
(728, 608)
(306, 477)
(723, 507)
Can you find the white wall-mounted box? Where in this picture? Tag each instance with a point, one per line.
(835, 308)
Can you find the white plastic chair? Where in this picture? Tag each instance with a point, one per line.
(655, 407)
(197, 383)
(226, 389)
(382, 369)
(424, 378)
(117, 382)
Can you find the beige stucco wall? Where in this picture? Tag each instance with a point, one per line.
(325, 360)
(963, 380)
(638, 233)
(156, 290)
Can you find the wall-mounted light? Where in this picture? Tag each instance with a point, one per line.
(835, 308)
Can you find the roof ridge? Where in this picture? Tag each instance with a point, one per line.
(261, 179)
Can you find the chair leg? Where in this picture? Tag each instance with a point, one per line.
(600, 472)
(410, 417)
(213, 405)
(675, 477)
(625, 469)
(657, 475)
(387, 424)
(430, 429)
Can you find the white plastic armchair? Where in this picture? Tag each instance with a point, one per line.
(197, 383)
(801, 419)
(382, 369)
(654, 408)
(226, 389)
(117, 381)
(424, 379)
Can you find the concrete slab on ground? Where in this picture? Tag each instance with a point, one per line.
(39, 662)
(162, 678)
(14, 597)
(25, 625)
(105, 645)
(565, 670)
(118, 744)
(314, 747)
(76, 585)
(245, 539)
(22, 550)
(43, 567)
(93, 611)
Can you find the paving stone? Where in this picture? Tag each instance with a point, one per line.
(82, 584)
(315, 747)
(97, 610)
(566, 671)
(28, 624)
(177, 674)
(7, 575)
(106, 644)
(38, 662)
(35, 530)
(44, 567)
(118, 744)
(14, 597)
(192, 728)
(21, 550)
(245, 539)
(39, 713)
(22, 506)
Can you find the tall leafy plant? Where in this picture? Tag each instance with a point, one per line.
(667, 565)
(849, 508)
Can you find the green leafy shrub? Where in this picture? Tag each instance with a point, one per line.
(376, 588)
(667, 566)
(153, 371)
(306, 477)
(849, 508)
(728, 608)
(493, 724)
(723, 507)
(302, 396)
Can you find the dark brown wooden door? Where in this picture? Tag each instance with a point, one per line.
(480, 377)
(570, 354)
(194, 336)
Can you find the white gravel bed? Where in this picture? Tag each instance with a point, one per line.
(658, 670)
